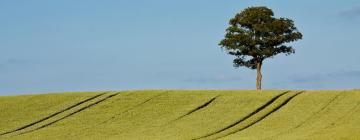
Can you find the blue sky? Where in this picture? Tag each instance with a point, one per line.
(56, 46)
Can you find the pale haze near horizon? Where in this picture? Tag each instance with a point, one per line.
(56, 46)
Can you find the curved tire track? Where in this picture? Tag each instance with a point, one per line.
(309, 118)
(202, 106)
(132, 108)
(323, 108)
(252, 114)
(266, 115)
(52, 115)
(71, 114)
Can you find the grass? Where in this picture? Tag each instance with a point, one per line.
(182, 115)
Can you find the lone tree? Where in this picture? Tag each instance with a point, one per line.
(255, 34)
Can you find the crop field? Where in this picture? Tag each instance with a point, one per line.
(182, 115)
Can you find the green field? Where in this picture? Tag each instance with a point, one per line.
(182, 115)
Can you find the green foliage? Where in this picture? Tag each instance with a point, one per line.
(255, 34)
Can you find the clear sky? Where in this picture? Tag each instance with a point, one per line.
(86, 45)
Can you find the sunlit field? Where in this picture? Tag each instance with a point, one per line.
(182, 115)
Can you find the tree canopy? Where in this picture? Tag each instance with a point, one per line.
(255, 34)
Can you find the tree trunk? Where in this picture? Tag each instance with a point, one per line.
(259, 76)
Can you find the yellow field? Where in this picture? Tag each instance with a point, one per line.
(182, 115)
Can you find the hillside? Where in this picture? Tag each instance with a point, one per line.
(182, 115)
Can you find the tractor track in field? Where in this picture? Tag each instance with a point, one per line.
(252, 114)
(133, 107)
(52, 115)
(348, 113)
(263, 117)
(247, 116)
(312, 116)
(202, 106)
(323, 108)
(71, 114)
(333, 124)
(129, 109)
